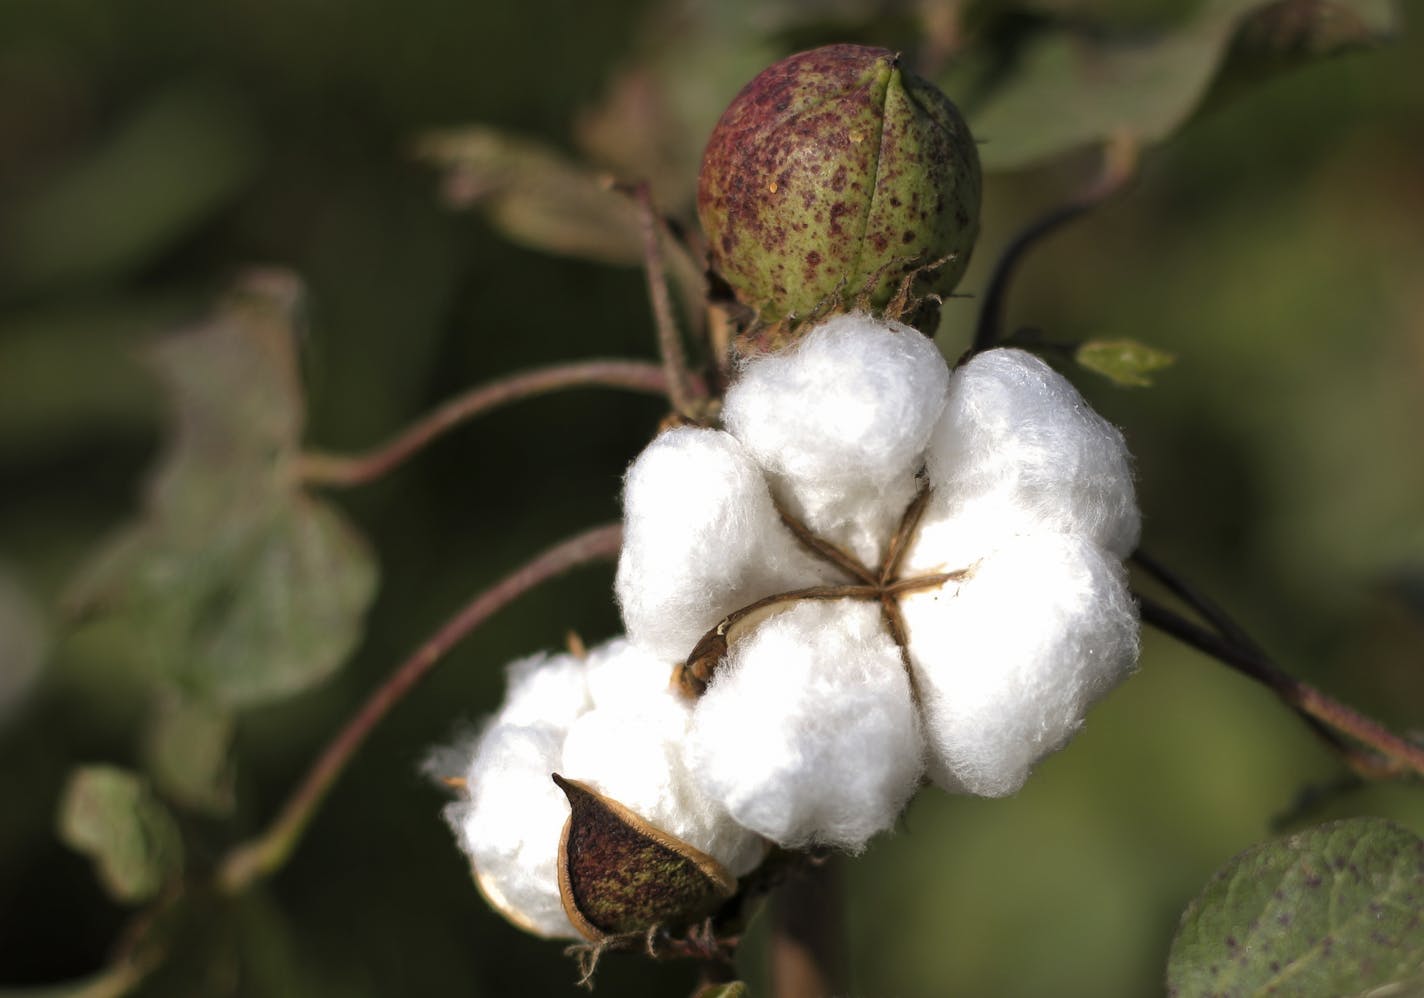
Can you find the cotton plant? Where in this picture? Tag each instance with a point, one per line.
(857, 573)
(848, 570)
(875, 572)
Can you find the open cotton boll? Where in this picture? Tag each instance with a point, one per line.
(634, 755)
(619, 673)
(701, 538)
(1008, 662)
(544, 689)
(840, 421)
(1015, 436)
(807, 733)
(511, 823)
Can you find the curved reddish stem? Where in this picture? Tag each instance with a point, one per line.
(267, 852)
(344, 470)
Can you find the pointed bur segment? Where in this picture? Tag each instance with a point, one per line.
(620, 875)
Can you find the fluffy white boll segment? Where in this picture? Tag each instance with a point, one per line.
(840, 421)
(511, 823)
(1008, 662)
(1017, 450)
(610, 720)
(807, 733)
(701, 539)
(545, 689)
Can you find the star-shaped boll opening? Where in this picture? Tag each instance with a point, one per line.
(994, 507)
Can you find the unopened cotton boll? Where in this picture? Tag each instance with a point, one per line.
(701, 538)
(807, 733)
(1008, 661)
(511, 823)
(840, 421)
(1017, 450)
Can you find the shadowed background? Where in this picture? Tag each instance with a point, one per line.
(149, 151)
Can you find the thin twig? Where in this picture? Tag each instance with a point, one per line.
(267, 852)
(1119, 165)
(1398, 755)
(1194, 598)
(1227, 627)
(679, 386)
(344, 470)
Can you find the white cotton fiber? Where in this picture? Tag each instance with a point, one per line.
(511, 822)
(618, 673)
(634, 754)
(701, 539)
(1009, 661)
(840, 421)
(544, 689)
(807, 734)
(1018, 450)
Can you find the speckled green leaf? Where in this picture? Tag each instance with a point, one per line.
(620, 875)
(535, 196)
(112, 816)
(1124, 362)
(236, 586)
(1074, 85)
(1335, 910)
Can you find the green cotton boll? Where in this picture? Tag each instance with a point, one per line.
(833, 177)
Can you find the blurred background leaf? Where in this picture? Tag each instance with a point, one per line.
(111, 815)
(241, 588)
(1126, 363)
(1064, 84)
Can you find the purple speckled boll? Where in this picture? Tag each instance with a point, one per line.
(830, 167)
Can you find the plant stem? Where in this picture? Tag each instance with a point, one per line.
(1399, 756)
(679, 387)
(269, 850)
(358, 469)
(1119, 166)
(1226, 627)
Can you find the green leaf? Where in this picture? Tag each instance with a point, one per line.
(1070, 85)
(535, 196)
(237, 587)
(111, 816)
(186, 752)
(1124, 362)
(1334, 910)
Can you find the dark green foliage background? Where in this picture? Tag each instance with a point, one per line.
(1274, 245)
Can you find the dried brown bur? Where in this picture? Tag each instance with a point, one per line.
(620, 875)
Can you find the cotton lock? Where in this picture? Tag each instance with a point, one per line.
(608, 720)
(817, 726)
